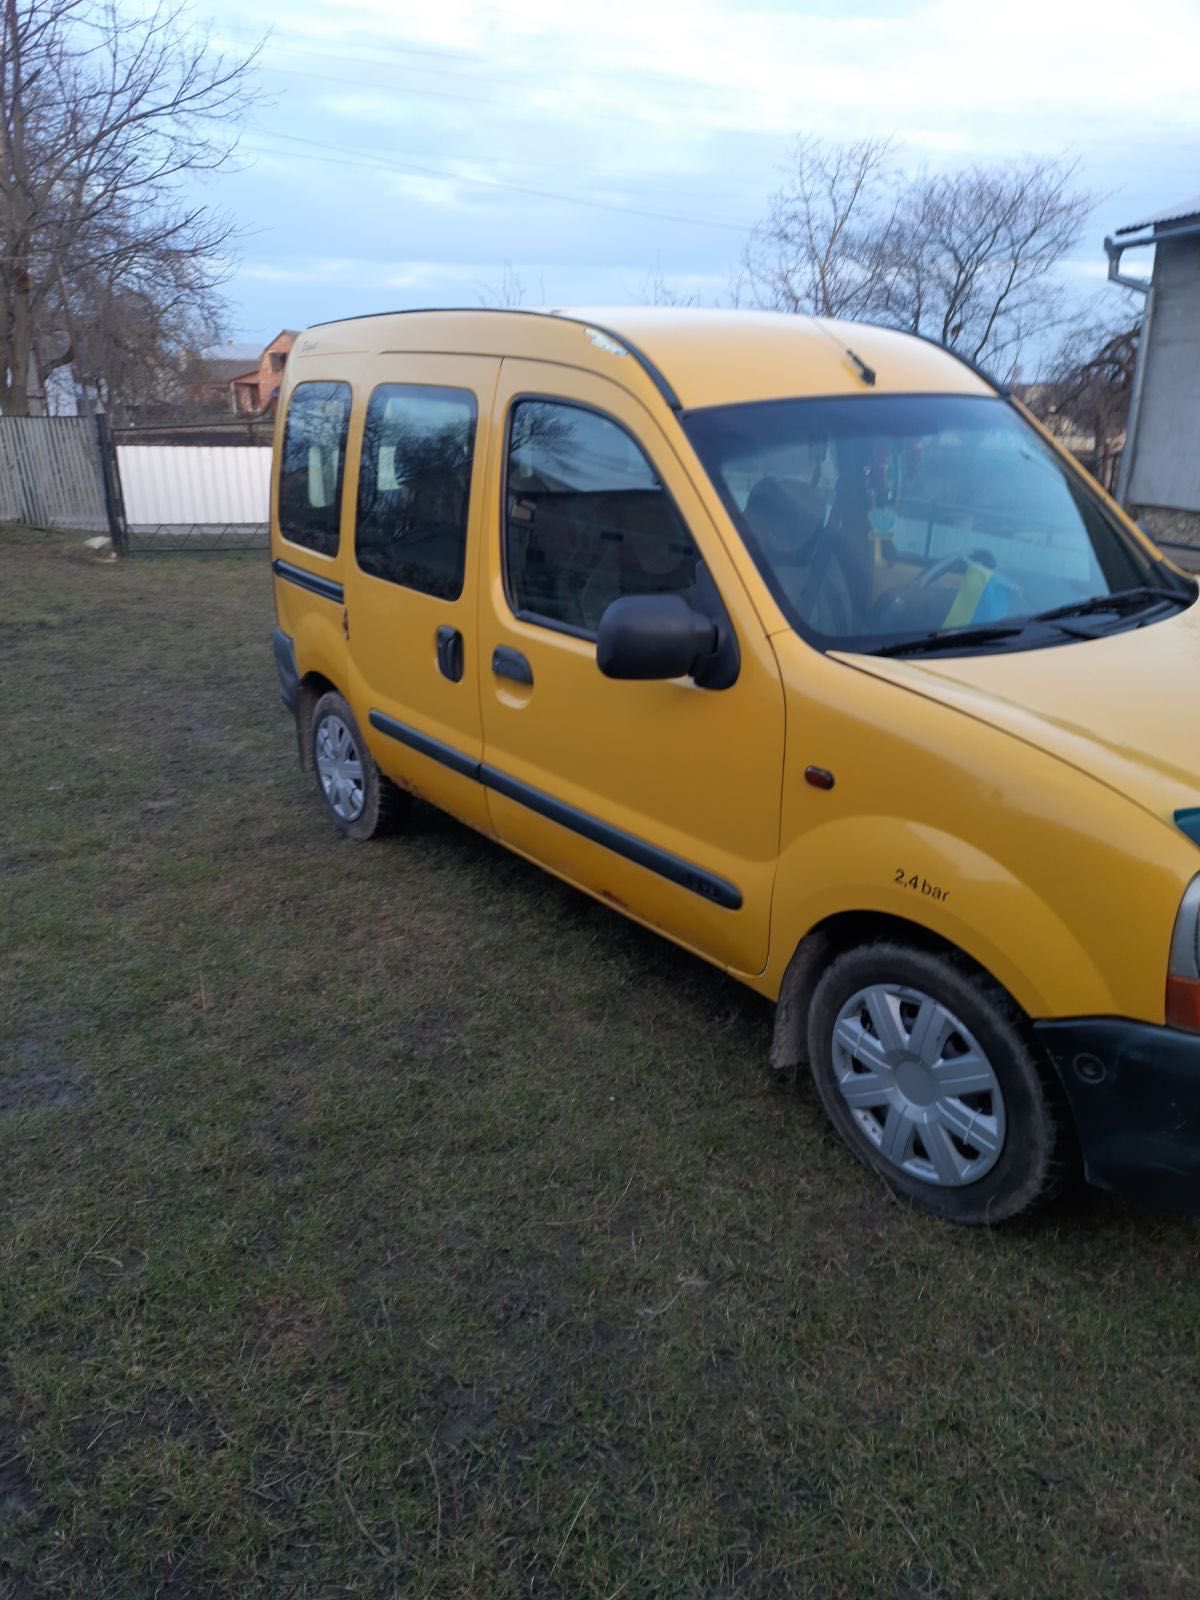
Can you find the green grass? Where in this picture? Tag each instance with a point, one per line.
(391, 1220)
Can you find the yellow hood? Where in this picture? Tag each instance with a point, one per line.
(1124, 708)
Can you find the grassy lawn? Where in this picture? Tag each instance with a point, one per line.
(391, 1220)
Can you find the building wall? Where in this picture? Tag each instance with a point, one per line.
(1165, 470)
(270, 374)
(256, 390)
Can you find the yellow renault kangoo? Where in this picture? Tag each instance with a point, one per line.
(803, 644)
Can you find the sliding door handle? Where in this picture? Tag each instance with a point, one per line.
(450, 653)
(510, 663)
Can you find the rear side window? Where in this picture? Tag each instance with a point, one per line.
(586, 518)
(414, 487)
(313, 460)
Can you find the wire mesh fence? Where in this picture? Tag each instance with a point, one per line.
(195, 487)
(199, 488)
(173, 538)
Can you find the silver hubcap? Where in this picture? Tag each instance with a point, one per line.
(918, 1085)
(339, 767)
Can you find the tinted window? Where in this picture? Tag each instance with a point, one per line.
(310, 473)
(587, 519)
(414, 485)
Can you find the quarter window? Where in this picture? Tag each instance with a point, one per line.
(313, 459)
(414, 486)
(587, 519)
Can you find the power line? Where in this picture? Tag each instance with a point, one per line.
(381, 54)
(409, 92)
(382, 88)
(314, 46)
(372, 159)
(614, 181)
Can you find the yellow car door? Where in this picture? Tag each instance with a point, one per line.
(412, 577)
(660, 797)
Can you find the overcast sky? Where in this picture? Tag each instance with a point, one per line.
(410, 150)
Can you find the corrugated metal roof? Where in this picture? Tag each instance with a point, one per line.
(1179, 213)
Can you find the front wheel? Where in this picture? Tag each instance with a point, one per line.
(358, 798)
(924, 1069)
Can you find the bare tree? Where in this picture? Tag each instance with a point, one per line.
(106, 120)
(968, 257)
(824, 245)
(132, 349)
(656, 291)
(979, 257)
(507, 295)
(1084, 396)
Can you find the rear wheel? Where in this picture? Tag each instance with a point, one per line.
(924, 1069)
(358, 798)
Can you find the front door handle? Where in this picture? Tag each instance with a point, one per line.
(450, 653)
(510, 663)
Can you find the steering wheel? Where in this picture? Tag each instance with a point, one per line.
(915, 604)
(939, 569)
(893, 599)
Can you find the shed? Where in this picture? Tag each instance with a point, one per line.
(1160, 468)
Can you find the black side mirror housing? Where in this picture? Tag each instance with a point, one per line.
(644, 636)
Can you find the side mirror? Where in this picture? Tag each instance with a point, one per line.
(653, 636)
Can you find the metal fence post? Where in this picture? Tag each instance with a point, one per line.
(110, 474)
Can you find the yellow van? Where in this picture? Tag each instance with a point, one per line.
(801, 643)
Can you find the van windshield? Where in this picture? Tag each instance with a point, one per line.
(909, 523)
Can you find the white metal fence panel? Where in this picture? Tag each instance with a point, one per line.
(195, 485)
(50, 473)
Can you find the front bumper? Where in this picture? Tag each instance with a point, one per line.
(1134, 1090)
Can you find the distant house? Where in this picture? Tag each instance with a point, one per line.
(1160, 466)
(256, 393)
(208, 376)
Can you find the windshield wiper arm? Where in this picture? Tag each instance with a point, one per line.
(1119, 600)
(949, 639)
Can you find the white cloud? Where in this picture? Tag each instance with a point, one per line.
(363, 273)
(427, 191)
(457, 129)
(769, 69)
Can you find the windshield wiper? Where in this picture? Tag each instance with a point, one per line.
(949, 639)
(1120, 600)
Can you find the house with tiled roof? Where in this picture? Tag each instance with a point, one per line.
(255, 392)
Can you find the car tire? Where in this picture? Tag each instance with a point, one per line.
(358, 799)
(925, 1068)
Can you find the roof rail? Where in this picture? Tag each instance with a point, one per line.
(643, 360)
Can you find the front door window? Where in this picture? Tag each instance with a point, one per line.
(587, 518)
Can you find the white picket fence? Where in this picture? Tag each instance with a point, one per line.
(194, 486)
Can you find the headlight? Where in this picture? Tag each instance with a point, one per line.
(1183, 972)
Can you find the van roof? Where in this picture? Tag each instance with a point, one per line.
(693, 357)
